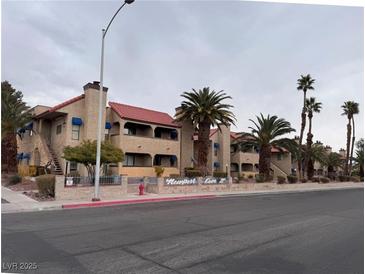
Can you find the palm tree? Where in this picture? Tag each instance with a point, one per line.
(205, 108)
(332, 161)
(311, 106)
(359, 159)
(14, 115)
(305, 83)
(264, 135)
(350, 108)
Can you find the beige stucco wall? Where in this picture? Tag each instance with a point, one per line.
(186, 145)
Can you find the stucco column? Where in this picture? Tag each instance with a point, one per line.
(160, 185)
(59, 187)
(124, 185)
(230, 182)
(200, 183)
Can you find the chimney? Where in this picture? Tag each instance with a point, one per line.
(91, 91)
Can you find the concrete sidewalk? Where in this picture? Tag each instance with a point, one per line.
(18, 202)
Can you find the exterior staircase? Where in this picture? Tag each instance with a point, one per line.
(56, 169)
(278, 171)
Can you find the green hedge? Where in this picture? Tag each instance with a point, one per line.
(260, 178)
(46, 185)
(292, 179)
(174, 175)
(324, 180)
(281, 180)
(315, 179)
(354, 179)
(193, 173)
(344, 178)
(14, 179)
(219, 174)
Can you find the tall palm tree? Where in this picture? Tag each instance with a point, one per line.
(14, 115)
(350, 108)
(205, 108)
(312, 106)
(264, 135)
(355, 111)
(305, 83)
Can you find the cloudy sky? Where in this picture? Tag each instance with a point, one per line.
(155, 50)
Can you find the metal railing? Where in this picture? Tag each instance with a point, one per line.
(90, 181)
(134, 180)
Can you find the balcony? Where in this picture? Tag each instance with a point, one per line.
(139, 144)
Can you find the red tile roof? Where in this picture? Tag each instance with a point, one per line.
(65, 103)
(143, 115)
(211, 133)
(276, 150)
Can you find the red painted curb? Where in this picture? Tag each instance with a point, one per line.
(138, 201)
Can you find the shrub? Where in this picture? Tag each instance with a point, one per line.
(355, 179)
(46, 185)
(250, 176)
(32, 171)
(193, 173)
(324, 180)
(241, 177)
(219, 174)
(40, 170)
(174, 175)
(303, 180)
(315, 179)
(292, 179)
(344, 178)
(260, 178)
(281, 180)
(14, 179)
(159, 171)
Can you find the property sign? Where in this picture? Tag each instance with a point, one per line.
(69, 181)
(208, 181)
(181, 181)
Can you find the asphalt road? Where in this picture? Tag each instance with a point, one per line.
(313, 232)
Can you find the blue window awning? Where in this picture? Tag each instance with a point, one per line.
(26, 155)
(76, 121)
(216, 145)
(108, 125)
(19, 156)
(29, 126)
(21, 130)
(217, 164)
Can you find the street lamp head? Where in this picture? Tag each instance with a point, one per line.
(128, 1)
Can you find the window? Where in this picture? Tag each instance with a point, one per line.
(157, 160)
(75, 132)
(73, 166)
(173, 161)
(129, 160)
(130, 131)
(58, 129)
(279, 156)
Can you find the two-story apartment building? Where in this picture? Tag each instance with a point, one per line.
(224, 156)
(148, 138)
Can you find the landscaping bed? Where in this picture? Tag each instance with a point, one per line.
(36, 196)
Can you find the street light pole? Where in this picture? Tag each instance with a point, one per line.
(100, 113)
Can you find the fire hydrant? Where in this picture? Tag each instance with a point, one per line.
(141, 189)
